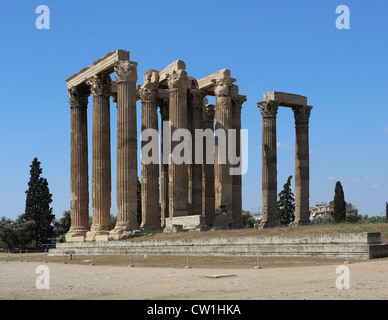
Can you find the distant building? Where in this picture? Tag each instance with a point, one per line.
(327, 209)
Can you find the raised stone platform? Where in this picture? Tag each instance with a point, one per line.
(359, 246)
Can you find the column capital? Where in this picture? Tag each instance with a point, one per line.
(148, 92)
(100, 85)
(126, 71)
(77, 99)
(269, 109)
(209, 112)
(222, 86)
(302, 114)
(178, 79)
(237, 102)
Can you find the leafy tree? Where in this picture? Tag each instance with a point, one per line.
(248, 220)
(9, 237)
(286, 204)
(339, 213)
(38, 218)
(62, 225)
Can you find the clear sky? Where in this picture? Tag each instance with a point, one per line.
(277, 45)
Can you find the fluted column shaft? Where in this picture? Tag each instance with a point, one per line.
(208, 197)
(178, 178)
(126, 171)
(302, 164)
(223, 179)
(195, 170)
(236, 178)
(79, 185)
(149, 172)
(101, 162)
(269, 164)
(164, 211)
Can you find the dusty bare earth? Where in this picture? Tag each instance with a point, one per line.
(111, 278)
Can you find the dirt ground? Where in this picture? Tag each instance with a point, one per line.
(209, 278)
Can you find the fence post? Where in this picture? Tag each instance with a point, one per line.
(130, 259)
(64, 257)
(91, 260)
(20, 255)
(187, 264)
(45, 256)
(258, 260)
(347, 254)
(27, 255)
(5, 256)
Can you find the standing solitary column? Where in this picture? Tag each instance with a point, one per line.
(223, 179)
(150, 171)
(79, 165)
(302, 165)
(101, 164)
(126, 172)
(178, 183)
(269, 163)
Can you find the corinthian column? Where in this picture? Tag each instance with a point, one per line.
(164, 115)
(269, 163)
(238, 101)
(302, 165)
(195, 103)
(101, 175)
(126, 172)
(223, 179)
(150, 171)
(208, 200)
(178, 184)
(79, 203)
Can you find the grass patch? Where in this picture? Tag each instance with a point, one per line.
(279, 231)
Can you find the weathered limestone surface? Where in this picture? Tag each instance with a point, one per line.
(150, 172)
(269, 107)
(208, 196)
(178, 179)
(104, 65)
(126, 171)
(101, 171)
(269, 163)
(79, 165)
(223, 179)
(302, 164)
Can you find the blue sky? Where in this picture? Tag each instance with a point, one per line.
(290, 46)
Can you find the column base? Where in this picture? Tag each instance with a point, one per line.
(123, 233)
(97, 235)
(75, 235)
(300, 223)
(268, 224)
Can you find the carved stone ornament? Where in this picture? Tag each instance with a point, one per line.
(178, 79)
(302, 114)
(238, 102)
(269, 109)
(76, 99)
(126, 71)
(222, 86)
(100, 85)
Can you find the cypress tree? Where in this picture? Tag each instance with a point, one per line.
(38, 216)
(286, 204)
(339, 213)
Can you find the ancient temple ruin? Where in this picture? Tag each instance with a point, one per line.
(192, 195)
